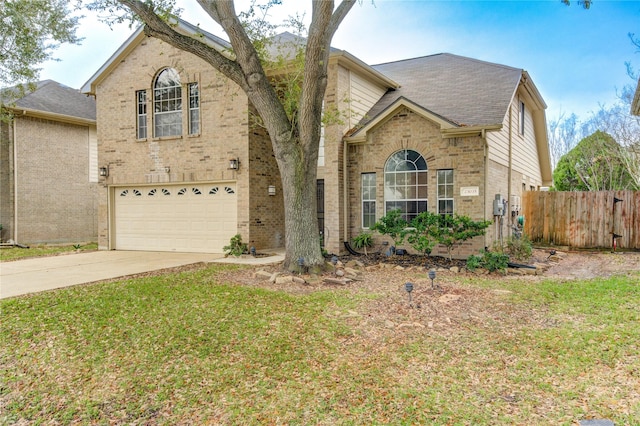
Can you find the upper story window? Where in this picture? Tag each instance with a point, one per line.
(141, 104)
(405, 183)
(522, 115)
(167, 104)
(194, 109)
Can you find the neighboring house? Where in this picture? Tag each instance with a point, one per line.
(187, 170)
(48, 166)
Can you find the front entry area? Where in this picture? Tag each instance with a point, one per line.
(196, 218)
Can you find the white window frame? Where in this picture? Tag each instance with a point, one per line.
(368, 198)
(406, 183)
(141, 114)
(167, 104)
(445, 190)
(522, 118)
(193, 90)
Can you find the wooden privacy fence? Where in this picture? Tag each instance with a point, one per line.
(583, 219)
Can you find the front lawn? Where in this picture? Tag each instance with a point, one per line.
(198, 348)
(15, 253)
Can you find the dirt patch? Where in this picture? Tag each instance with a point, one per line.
(584, 265)
(452, 308)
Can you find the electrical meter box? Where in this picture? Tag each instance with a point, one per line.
(498, 206)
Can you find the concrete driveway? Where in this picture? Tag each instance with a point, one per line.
(46, 273)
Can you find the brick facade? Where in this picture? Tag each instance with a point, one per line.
(227, 131)
(48, 178)
(407, 130)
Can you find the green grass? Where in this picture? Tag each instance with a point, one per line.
(15, 253)
(188, 349)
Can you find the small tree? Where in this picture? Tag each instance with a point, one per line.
(393, 225)
(423, 232)
(453, 230)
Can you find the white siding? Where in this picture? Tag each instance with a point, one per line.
(524, 152)
(362, 96)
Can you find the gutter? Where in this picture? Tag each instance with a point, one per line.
(345, 192)
(483, 135)
(510, 171)
(69, 119)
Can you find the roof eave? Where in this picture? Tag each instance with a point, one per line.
(132, 42)
(53, 116)
(125, 48)
(351, 62)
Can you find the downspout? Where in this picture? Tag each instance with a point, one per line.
(483, 134)
(510, 163)
(345, 192)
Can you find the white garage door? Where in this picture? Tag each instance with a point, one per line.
(198, 218)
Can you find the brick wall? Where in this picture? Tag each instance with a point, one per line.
(6, 181)
(266, 228)
(224, 134)
(56, 202)
(408, 130)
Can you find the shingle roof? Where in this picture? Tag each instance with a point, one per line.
(465, 91)
(53, 97)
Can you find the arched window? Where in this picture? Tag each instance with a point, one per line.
(167, 104)
(405, 183)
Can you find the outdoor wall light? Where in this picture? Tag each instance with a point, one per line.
(234, 164)
(104, 171)
(272, 190)
(167, 169)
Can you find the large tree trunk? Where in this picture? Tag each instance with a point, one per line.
(302, 239)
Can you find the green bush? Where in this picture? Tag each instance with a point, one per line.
(494, 261)
(362, 241)
(393, 225)
(423, 232)
(519, 248)
(474, 262)
(236, 247)
(453, 230)
(490, 260)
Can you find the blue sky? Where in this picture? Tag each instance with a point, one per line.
(575, 57)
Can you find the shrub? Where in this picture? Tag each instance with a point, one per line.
(362, 241)
(474, 262)
(494, 261)
(490, 260)
(519, 248)
(423, 232)
(236, 247)
(453, 230)
(393, 225)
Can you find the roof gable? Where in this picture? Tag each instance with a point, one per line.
(464, 91)
(136, 38)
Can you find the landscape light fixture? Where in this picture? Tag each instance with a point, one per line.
(104, 171)
(252, 250)
(408, 288)
(432, 276)
(301, 263)
(234, 164)
(334, 262)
